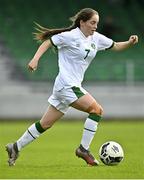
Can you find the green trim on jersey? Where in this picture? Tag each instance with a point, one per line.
(94, 117)
(110, 46)
(39, 127)
(77, 91)
(53, 43)
(54, 47)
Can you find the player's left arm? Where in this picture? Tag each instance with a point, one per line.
(118, 46)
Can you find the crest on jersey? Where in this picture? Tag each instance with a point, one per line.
(93, 45)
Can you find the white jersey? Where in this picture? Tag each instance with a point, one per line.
(75, 53)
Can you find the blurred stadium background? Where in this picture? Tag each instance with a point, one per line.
(116, 80)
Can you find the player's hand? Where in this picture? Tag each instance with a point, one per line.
(133, 39)
(32, 66)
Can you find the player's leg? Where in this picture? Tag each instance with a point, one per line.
(33, 132)
(88, 104)
(36, 129)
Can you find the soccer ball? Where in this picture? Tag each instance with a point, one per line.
(111, 153)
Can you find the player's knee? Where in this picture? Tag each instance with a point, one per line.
(96, 109)
(95, 112)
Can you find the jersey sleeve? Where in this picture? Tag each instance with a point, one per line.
(104, 42)
(60, 40)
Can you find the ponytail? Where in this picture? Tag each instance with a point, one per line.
(44, 33)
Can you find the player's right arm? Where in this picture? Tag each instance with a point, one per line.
(32, 66)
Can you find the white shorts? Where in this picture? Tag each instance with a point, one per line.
(61, 99)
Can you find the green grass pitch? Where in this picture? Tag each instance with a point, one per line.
(52, 156)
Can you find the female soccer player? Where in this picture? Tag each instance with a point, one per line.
(77, 46)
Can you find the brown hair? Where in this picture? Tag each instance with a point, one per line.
(45, 33)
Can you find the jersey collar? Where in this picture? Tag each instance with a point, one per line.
(82, 34)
